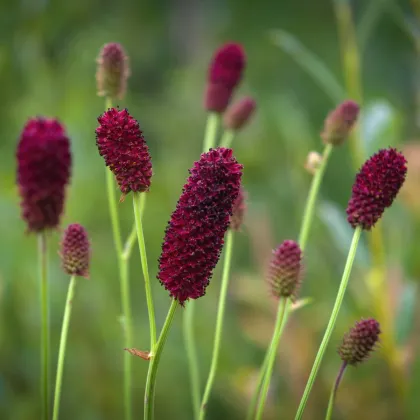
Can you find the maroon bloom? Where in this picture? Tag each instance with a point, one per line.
(224, 74)
(239, 209)
(339, 123)
(238, 115)
(360, 341)
(75, 251)
(285, 270)
(122, 145)
(112, 71)
(43, 171)
(194, 235)
(375, 188)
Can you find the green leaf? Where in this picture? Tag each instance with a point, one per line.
(310, 63)
(405, 313)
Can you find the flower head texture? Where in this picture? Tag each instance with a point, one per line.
(360, 341)
(122, 145)
(75, 251)
(339, 122)
(239, 209)
(224, 74)
(238, 114)
(285, 270)
(375, 188)
(112, 71)
(43, 171)
(194, 235)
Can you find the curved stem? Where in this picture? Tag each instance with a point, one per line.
(309, 211)
(211, 131)
(45, 332)
(219, 323)
(62, 349)
(227, 138)
(271, 358)
(145, 268)
(331, 323)
(154, 363)
(334, 391)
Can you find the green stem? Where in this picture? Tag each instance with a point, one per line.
(272, 357)
(334, 391)
(227, 138)
(211, 131)
(219, 323)
(154, 363)
(331, 323)
(309, 212)
(143, 258)
(132, 237)
(62, 349)
(191, 350)
(45, 332)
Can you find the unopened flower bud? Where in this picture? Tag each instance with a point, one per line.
(75, 251)
(313, 161)
(239, 113)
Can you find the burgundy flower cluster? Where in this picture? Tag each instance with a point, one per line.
(75, 251)
(224, 74)
(43, 171)
(285, 270)
(194, 235)
(375, 188)
(122, 145)
(360, 341)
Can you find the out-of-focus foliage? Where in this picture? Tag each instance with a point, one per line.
(47, 67)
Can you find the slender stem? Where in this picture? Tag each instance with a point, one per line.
(227, 138)
(45, 331)
(334, 391)
(331, 323)
(154, 363)
(62, 349)
(211, 131)
(191, 350)
(272, 357)
(309, 212)
(219, 322)
(132, 237)
(143, 257)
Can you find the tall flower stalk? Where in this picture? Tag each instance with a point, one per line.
(375, 188)
(224, 74)
(75, 255)
(42, 189)
(337, 127)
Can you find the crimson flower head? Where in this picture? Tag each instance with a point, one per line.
(112, 71)
(375, 188)
(285, 270)
(122, 145)
(238, 115)
(360, 341)
(194, 235)
(43, 171)
(339, 122)
(238, 211)
(75, 251)
(224, 74)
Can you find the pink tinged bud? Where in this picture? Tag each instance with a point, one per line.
(194, 235)
(238, 114)
(375, 188)
(224, 74)
(339, 123)
(285, 270)
(43, 172)
(360, 341)
(122, 145)
(239, 209)
(112, 71)
(75, 251)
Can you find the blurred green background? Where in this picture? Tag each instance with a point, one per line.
(297, 74)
